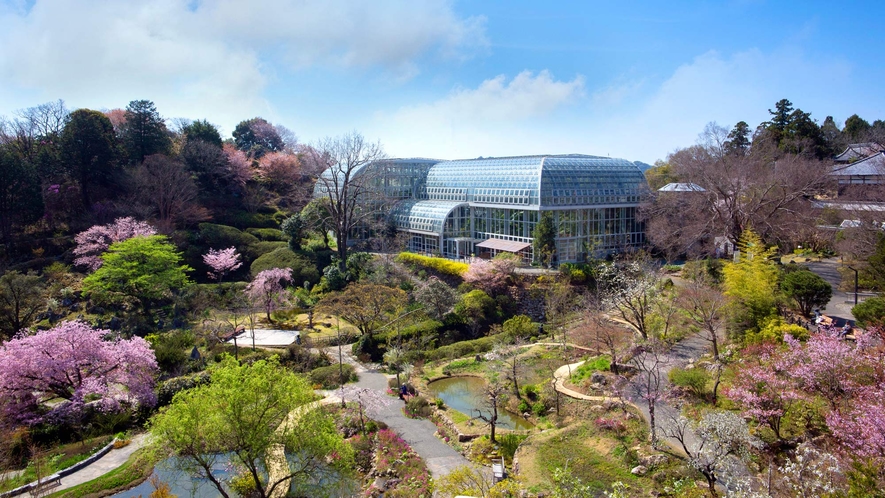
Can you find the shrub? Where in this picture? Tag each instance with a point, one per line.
(329, 377)
(417, 407)
(302, 268)
(172, 348)
(539, 408)
(524, 406)
(441, 265)
(265, 247)
(870, 313)
(530, 391)
(611, 424)
(268, 234)
(464, 348)
(694, 379)
(169, 388)
(217, 236)
(509, 443)
(774, 330)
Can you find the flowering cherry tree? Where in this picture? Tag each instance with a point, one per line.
(92, 243)
(268, 288)
(490, 275)
(765, 389)
(75, 363)
(222, 262)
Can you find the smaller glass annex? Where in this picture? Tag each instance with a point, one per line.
(465, 208)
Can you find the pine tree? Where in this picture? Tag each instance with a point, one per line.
(545, 240)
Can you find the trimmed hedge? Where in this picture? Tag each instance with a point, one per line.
(441, 265)
(223, 236)
(328, 377)
(266, 246)
(268, 234)
(303, 269)
(465, 348)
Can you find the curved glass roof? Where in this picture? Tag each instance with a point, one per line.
(422, 216)
(583, 180)
(393, 178)
(537, 181)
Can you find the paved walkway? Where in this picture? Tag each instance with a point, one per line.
(842, 301)
(419, 433)
(105, 464)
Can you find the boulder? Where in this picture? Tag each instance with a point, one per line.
(652, 460)
(639, 470)
(598, 378)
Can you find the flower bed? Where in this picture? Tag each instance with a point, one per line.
(405, 473)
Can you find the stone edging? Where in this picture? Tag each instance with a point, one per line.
(61, 473)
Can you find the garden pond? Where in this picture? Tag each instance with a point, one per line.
(465, 394)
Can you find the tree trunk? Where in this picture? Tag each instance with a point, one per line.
(651, 420)
(715, 339)
(494, 421)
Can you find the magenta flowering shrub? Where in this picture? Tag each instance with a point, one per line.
(94, 242)
(74, 362)
(394, 457)
(611, 424)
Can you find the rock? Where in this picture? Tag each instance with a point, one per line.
(652, 460)
(639, 470)
(114, 323)
(597, 408)
(598, 378)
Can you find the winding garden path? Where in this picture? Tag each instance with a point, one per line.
(419, 433)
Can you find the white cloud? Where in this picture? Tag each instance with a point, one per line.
(525, 96)
(636, 120)
(210, 58)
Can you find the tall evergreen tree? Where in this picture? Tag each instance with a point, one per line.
(203, 130)
(856, 128)
(21, 201)
(832, 134)
(544, 237)
(144, 132)
(738, 142)
(89, 151)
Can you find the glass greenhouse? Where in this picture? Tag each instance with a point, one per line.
(466, 207)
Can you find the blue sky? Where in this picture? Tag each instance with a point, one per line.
(454, 79)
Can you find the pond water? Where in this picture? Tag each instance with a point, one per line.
(465, 395)
(184, 484)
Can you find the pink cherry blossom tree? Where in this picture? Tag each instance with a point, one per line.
(860, 427)
(280, 170)
(222, 262)
(763, 387)
(268, 289)
(76, 363)
(92, 243)
(491, 276)
(828, 366)
(239, 167)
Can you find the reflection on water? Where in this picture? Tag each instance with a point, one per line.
(184, 484)
(465, 395)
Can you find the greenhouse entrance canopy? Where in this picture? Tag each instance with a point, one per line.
(503, 245)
